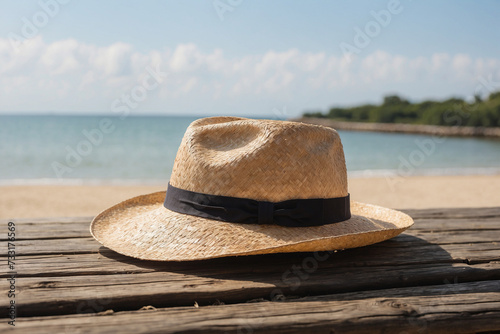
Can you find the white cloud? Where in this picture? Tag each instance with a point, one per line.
(69, 75)
(185, 58)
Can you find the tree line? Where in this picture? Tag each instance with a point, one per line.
(394, 109)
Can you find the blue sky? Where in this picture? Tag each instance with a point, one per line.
(241, 57)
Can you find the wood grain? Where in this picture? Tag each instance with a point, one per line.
(451, 308)
(444, 270)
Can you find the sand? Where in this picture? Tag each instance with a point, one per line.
(400, 193)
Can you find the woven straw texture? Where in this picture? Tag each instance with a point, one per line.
(255, 159)
(261, 160)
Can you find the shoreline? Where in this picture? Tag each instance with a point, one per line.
(413, 192)
(433, 130)
(355, 174)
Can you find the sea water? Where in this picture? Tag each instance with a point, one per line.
(141, 150)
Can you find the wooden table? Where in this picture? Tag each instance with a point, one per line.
(442, 275)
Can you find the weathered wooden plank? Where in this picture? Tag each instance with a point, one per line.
(464, 212)
(95, 293)
(56, 246)
(58, 228)
(409, 239)
(453, 236)
(81, 230)
(35, 231)
(49, 228)
(456, 224)
(485, 212)
(392, 252)
(431, 219)
(458, 246)
(451, 308)
(30, 235)
(454, 212)
(418, 214)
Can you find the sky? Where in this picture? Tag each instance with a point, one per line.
(241, 57)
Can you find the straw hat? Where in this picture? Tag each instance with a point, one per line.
(242, 187)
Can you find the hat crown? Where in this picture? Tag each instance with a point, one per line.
(264, 160)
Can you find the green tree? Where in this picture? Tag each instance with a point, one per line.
(395, 109)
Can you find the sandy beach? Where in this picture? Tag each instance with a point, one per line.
(400, 193)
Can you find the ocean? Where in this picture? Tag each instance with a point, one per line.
(141, 150)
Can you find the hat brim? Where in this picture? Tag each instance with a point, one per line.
(141, 227)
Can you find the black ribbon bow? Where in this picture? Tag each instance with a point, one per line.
(290, 213)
